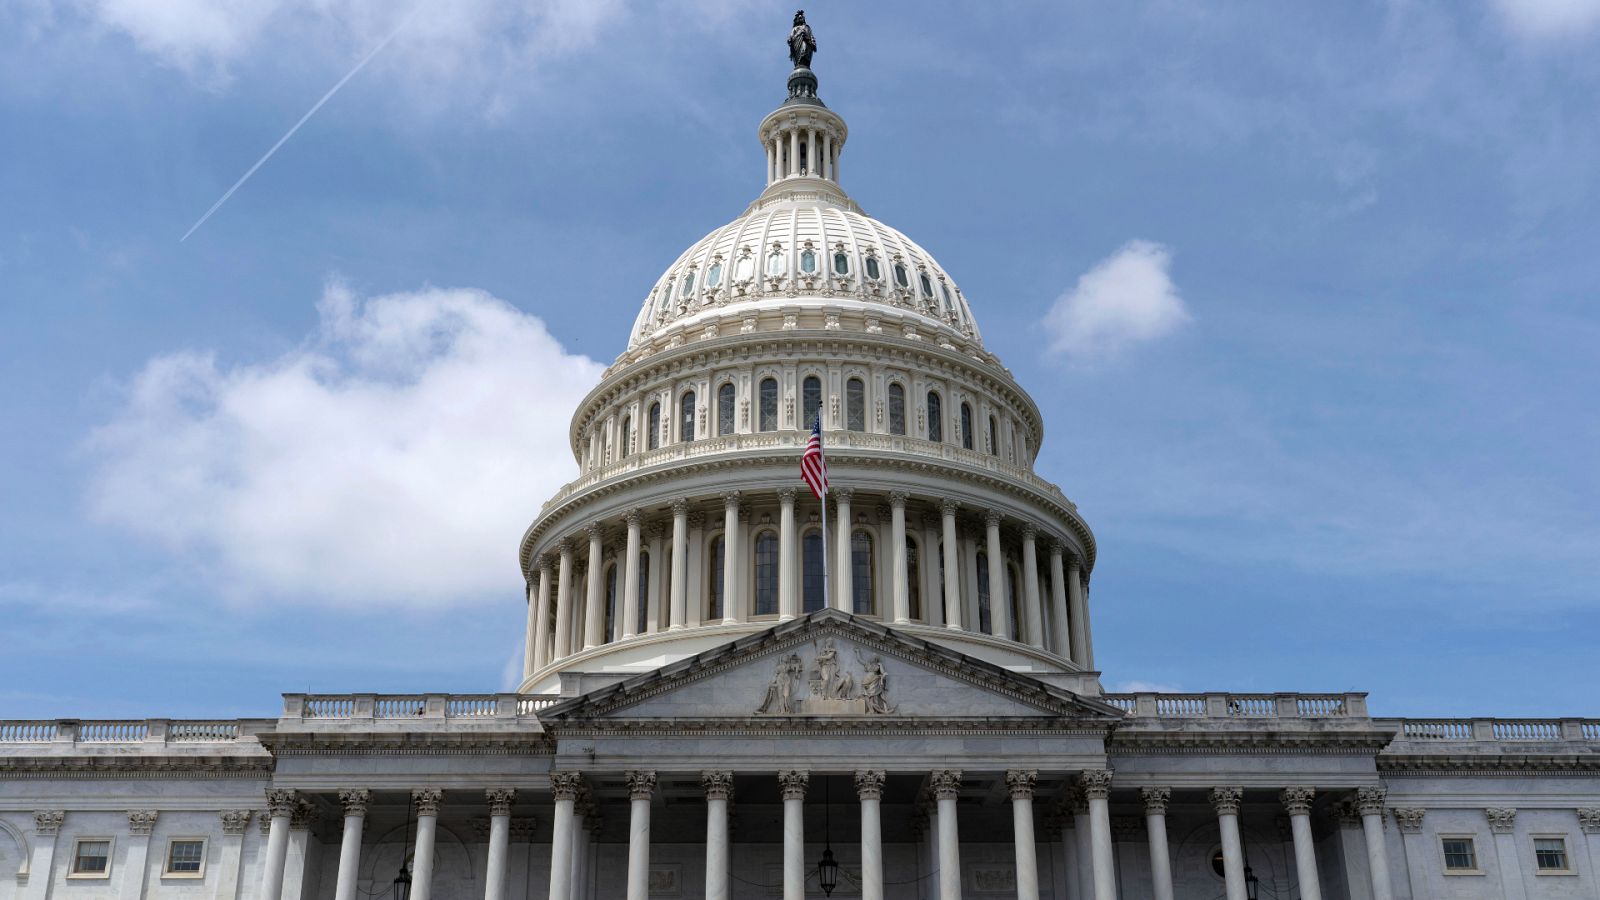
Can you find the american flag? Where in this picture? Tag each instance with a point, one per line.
(813, 468)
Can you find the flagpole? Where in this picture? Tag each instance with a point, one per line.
(827, 600)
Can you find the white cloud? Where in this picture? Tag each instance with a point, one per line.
(1145, 687)
(393, 459)
(1545, 19)
(1126, 298)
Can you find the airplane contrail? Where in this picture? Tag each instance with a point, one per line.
(290, 133)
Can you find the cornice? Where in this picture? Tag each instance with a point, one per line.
(360, 744)
(1490, 764)
(113, 767)
(1360, 741)
(896, 726)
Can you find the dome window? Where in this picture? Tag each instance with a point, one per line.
(808, 262)
(775, 264)
(688, 285)
(714, 275)
(873, 271)
(945, 289)
(744, 268)
(927, 286)
(841, 264)
(900, 276)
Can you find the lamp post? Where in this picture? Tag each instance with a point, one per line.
(827, 868)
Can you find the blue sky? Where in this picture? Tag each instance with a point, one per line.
(1305, 291)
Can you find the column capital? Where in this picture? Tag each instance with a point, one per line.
(1225, 800)
(1020, 782)
(355, 801)
(1073, 801)
(427, 800)
(1155, 800)
(1074, 563)
(718, 784)
(787, 495)
(500, 800)
(794, 782)
(305, 815)
(281, 802)
(1589, 819)
(898, 499)
(949, 507)
(641, 783)
(1501, 820)
(1409, 818)
(1369, 800)
(565, 546)
(993, 517)
(544, 564)
(680, 506)
(869, 783)
(142, 821)
(596, 531)
(633, 517)
(565, 784)
(235, 821)
(1030, 531)
(842, 495)
(946, 783)
(730, 499)
(48, 821)
(1058, 547)
(1297, 800)
(1096, 784)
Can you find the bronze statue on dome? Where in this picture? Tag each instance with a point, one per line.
(801, 42)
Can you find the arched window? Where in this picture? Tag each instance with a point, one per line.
(841, 264)
(994, 437)
(767, 574)
(810, 401)
(1014, 600)
(811, 576)
(861, 580)
(714, 594)
(914, 579)
(644, 593)
(627, 435)
(808, 261)
(897, 409)
(654, 440)
(725, 396)
(927, 286)
(949, 304)
(686, 417)
(900, 276)
(942, 602)
(714, 275)
(767, 414)
(688, 284)
(983, 593)
(611, 604)
(873, 270)
(855, 405)
(935, 417)
(966, 426)
(744, 267)
(775, 263)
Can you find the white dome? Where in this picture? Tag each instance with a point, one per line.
(761, 258)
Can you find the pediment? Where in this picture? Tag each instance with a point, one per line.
(834, 666)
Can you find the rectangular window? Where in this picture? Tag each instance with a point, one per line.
(185, 856)
(92, 857)
(1551, 854)
(1459, 855)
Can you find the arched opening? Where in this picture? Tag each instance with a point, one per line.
(627, 435)
(686, 417)
(767, 407)
(812, 580)
(643, 613)
(725, 402)
(653, 441)
(612, 618)
(983, 593)
(935, 417)
(1014, 599)
(766, 586)
(855, 405)
(810, 401)
(994, 437)
(897, 408)
(714, 582)
(862, 597)
(914, 579)
(966, 426)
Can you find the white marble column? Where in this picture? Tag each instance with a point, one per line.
(1032, 606)
(680, 566)
(794, 152)
(793, 784)
(355, 817)
(1082, 652)
(1297, 802)
(1503, 825)
(843, 582)
(999, 604)
(788, 558)
(952, 566)
(630, 568)
(1097, 790)
(719, 790)
(136, 865)
(641, 784)
(564, 785)
(541, 612)
(1369, 802)
(897, 554)
(1225, 800)
(1021, 783)
(427, 802)
(732, 584)
(41, 856)
(947, 789)
(594, 617)
(1061, 637)
(1155, 823)
(655, 607)
(280, 808)
(1414, 853)
(494, 879)
(869, 787)
(928, 581)
(772, 162)
(1083, 843)
(563, 643)
(1073, 890)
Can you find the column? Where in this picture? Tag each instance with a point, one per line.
(999, 605)
(731, 582)
(793, 782)
(564, 785)
(788, 559)
(655, 609)
(355, 818)
(827, 155)
(564, 601)
(813, 163)
(1061, 637)
(694, 586)
(1297, 801)
(1032, 608)
(136, 866)
(794, 152)
(1078, 803)
(869, 787)
(1503, 823)
(946, 788)
(530, 634)
(1097, 790)
(630, 568)
(1589, 824)
(1069, 854)
(1021, 783)
(719, 790)
(280, 807)
(1226, 803)
(541, 622)
(928, 573)
(836, 163)
(1415, 853)
(1155, 823)
(594, 617)
(494, 879)
(1082, 654)
(680, 566)
(771, 162)
(897, 553)
(427, 802)
(1369, 802)
(234, 823)
(952, 568)
(641, 784)
(842, 573)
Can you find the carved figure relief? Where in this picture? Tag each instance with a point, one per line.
(826, 687)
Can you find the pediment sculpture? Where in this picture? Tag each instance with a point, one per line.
(825, 686)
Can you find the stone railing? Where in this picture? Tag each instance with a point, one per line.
(127, 731)
(1241, 706)
(1498, 731)
(381, 707)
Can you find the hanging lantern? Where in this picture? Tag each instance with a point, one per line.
(828, 872)
(1252, 884)
(402, 884)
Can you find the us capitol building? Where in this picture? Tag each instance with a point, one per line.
(710, 708)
